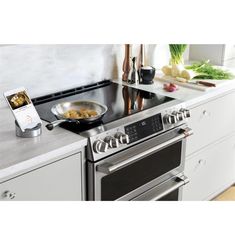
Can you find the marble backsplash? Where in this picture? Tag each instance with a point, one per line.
(47, 68)
(44, 69)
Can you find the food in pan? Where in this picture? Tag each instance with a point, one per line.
(80, 114)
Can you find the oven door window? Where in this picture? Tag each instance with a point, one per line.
(125, 180)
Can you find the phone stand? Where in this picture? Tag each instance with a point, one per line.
(30, 132)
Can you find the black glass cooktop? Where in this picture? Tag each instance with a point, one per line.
(121, 100)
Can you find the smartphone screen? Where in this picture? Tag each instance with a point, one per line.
(22, 108)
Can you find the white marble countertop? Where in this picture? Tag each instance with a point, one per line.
(19, 155)
(191, 97)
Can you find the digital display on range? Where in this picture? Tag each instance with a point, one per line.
(144, 128)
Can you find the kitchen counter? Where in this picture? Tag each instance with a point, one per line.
(191, 97)
(20, 155)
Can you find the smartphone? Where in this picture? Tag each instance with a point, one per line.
(22, 108)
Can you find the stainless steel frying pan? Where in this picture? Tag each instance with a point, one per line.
(61, 108)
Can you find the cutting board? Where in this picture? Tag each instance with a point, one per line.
(170, 79)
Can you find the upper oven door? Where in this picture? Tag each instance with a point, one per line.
(139, 168)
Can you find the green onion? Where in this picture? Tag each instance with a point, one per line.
(204, 70)
(177, 51)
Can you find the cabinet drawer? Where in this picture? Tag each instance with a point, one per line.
(210, 122)
(60, 180)
(210, 171)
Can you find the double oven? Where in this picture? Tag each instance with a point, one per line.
(149, 170)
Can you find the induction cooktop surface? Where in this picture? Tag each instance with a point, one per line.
(121, 100)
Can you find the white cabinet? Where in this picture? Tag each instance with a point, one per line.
(60, 180)
(210, 151)
(210, 171)
(210, 122)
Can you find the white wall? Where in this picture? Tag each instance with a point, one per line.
(44, 69)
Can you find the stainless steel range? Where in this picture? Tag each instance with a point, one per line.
(137, 151)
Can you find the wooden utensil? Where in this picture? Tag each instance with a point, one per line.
(126, 63)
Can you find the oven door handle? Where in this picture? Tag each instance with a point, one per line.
(108, 168)
(163, 189)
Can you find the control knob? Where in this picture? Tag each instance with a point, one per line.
(185, 112)
(122, 138)
(111, 141)
(170, 119)
(180, 116)
(99, 146)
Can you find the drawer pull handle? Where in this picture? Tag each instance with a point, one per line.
(199, 164)
(205, 113)
(9, 195)
(202, 162)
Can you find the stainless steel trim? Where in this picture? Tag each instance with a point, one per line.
(163, 189)
(108, 168)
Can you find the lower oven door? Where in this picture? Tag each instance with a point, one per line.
(133, 172)
(170, 190)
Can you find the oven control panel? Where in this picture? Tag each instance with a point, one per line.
(144, 128)
(113, 140)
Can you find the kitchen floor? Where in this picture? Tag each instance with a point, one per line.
(228, 195)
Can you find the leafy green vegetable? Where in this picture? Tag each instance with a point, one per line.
(205, 70)
(177, 51)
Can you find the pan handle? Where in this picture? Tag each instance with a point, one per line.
(54, 124)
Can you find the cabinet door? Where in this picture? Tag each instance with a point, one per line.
(210, 122)
(60, 180)
(210, 171)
